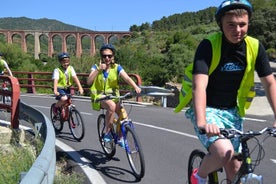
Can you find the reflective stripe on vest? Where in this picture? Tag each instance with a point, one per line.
(2, 66)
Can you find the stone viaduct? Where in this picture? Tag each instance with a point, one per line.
(63, 35)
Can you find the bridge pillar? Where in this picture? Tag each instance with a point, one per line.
(36, 45)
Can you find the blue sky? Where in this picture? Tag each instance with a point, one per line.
(106, 15)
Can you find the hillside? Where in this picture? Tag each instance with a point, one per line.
(157, 51)
(24, 23)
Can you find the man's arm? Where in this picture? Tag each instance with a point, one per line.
(269, 84)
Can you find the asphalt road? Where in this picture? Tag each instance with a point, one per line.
(167, 140)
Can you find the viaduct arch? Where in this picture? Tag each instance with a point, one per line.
(63, 35)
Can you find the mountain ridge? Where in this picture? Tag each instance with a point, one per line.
(25, 23)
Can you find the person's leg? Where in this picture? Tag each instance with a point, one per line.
(231, 168)
(220, 150)
(234, 122)
(110, 107)
(61, 98)
(220, 153)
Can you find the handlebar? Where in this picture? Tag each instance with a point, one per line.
(122, 97)
(231, 133)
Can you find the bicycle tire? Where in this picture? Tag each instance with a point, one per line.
(134, 152)
(56, 121)
(109, 148)
(76, 124)
(194, 162)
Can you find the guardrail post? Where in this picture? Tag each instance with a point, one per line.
(164, 101)
(10, 98)
(31, 83)
(15, 101)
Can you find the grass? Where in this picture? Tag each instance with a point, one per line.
(16, 159)
(13, 161)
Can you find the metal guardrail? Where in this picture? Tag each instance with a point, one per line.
(43, 169)
(157, 91)
(37, 80)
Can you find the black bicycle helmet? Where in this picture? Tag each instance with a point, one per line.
(233, 4)
(63, 55)
(108, 46)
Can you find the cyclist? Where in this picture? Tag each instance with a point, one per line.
(63, 78)
(103, 79)
(4, 66)
(221, 98)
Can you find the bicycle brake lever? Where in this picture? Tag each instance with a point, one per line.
(201, 131)
(273, 132)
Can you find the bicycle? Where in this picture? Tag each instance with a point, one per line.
(245, 174)
(124, 125)
(5, 99)
(68, 112)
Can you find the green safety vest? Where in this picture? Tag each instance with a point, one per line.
(107, 86)
(62, 82)
(246, 90)
(2, 66)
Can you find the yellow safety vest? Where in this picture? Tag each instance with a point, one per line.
(107, 86)
(2, 66)
(246, 91)
(62, 82)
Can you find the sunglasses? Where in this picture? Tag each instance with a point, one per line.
(109, 56)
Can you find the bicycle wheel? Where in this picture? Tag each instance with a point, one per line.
(134, 152)
(194, 162)
(109, 148)
(76, 124)
(56, 119)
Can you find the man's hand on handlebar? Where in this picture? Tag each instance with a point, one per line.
(210, 130)
(138, 90)
(56, 93)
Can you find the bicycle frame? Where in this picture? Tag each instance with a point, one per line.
(66, 108)
(246, 172)
(68, 112)
(122, 123)
(124, 127)
(125, 123)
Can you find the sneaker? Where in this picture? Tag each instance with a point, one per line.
(195, 179)
(121, 142)
(107, 137)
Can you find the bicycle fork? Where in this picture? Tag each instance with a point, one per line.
(123, 129)
(249, 175)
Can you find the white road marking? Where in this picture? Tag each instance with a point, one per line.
(91, 173)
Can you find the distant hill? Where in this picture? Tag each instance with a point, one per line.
(24, 23)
